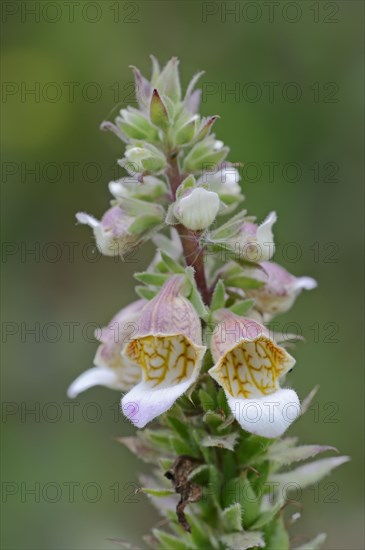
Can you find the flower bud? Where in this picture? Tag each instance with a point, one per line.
(111, 369)
(135, 125)
(168, 348)
(280, 290)
(205, 155)
(149, 189)
(143, 157)
(197, 209)
(248, 365)
(169, 81)
(253, 242)
(111, 232)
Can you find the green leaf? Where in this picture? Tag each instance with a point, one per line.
(276, 535)
(145, 293)
(207, 401)
(268, 515)
(241, 308)
(186, 132)
(240, 490)
(218, 298)
(244, 283)
(172, 265)
(180, 428)
(243, 541)
(308, 474)
(231, 517)
(314, 544)
(289, 455)
(223, 441)
(143, 223)
(154, 279)
(169, 541)
(196, 299)
(158, 111)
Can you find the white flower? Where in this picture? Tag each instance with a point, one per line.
(280, 290)
(198, 209)
(111, 232)
(255, 242)
(111, 369)
(168, 348)
(248, 365)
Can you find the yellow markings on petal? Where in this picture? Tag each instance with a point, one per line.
(252, 368)
(165, 360)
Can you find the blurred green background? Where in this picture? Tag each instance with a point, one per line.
(297, 72)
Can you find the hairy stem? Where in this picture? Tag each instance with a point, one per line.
(193, 252)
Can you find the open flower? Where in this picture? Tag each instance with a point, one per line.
(255, 242)
(168, 348)
(248, 365)
(280, 290)
(111, 232)
(111, 369)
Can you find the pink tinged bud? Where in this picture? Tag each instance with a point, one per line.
(248, 365)
(111, 369)
(280, 290)
(168, 348)
(111, 232)
(255, 242)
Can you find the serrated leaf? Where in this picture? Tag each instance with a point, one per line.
(218, 298)
(308, 474)
(231, 517)
(224, 441)
(243, 541)
(314, 544)
(268, 515)
(245, 283)
(295, 454)
(172, 265)
(154, 279)
(241, 308)
(240, 490)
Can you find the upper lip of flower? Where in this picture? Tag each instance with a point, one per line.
(252, 367)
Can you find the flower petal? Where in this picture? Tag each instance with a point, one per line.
(267, 416)
(170, 366)
(86, 219)
(97, 376)
(265, 237)
(143, 403)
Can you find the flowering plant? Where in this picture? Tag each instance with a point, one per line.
(195, 357)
